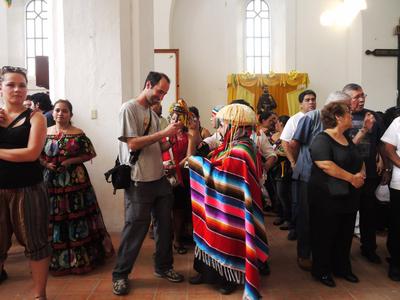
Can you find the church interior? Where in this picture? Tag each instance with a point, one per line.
(97, 54)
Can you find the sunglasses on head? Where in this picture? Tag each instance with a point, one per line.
(11, 69)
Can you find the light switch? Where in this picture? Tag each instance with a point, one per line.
(94, 114)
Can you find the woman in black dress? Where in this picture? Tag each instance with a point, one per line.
(337, 173)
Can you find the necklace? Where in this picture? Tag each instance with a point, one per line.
(60, 131)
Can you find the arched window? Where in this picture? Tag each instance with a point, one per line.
(257, 37)
(37, 35)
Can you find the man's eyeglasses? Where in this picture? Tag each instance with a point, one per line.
(11, 69)
(363, 96)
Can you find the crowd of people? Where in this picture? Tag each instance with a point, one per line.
(315, 170)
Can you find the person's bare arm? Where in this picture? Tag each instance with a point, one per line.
(291, 153)
(136, 143)
(332, 169)
(37, 137)
(391, 154)
(369, 121)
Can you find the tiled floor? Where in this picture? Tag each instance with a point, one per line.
(286, 281)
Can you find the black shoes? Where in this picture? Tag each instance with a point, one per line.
(394, 273)
(350, 277)
(264, 269)
(372, 257)
(227, 288)
(326, 280)
(284, 226)
(3, 275)
(180, 249)
(198, 279)
(278, 222)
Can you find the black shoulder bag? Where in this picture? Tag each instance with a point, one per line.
(121, 174)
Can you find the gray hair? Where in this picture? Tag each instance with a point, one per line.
(351, 87)
(337, 96)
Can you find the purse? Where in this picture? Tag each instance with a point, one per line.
(121, 174)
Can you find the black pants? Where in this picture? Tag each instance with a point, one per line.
(303, 222)
(393, 238)
(331, 238)
(284, 193)
(294, 204)
(368, 215)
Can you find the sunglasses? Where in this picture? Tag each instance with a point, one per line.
(11, 69)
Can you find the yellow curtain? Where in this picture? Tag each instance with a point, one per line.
(293, 101)
(279, 84)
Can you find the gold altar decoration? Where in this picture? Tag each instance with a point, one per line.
(250, 87)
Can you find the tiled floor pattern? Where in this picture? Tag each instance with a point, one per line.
(286, 281)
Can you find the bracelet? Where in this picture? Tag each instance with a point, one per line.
(388, 170)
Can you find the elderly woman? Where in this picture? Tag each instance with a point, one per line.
(228, 223)
(78, 235)
(337, 174)
(24, 208)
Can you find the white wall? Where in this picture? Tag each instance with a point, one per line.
(103, 41)
(163, 10)
(93, 82)
(323, 52)
(16, 32)
(206, 34)
(56, 51)
(4, 35)
(209, 36)
(379, 74)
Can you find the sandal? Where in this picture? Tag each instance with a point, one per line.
(180, 249)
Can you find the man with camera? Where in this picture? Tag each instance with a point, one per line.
(149, 190)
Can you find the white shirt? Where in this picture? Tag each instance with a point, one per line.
(263, 145)
(392, 136)
(290, 127)
(213, 141)
(261, 141)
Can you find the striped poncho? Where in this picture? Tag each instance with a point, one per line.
(228, 223)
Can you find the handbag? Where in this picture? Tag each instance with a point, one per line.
(121, 174)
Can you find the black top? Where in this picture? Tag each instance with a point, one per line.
(18, 174)
(323, 148)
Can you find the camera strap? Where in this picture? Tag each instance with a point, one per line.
(144, 134)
